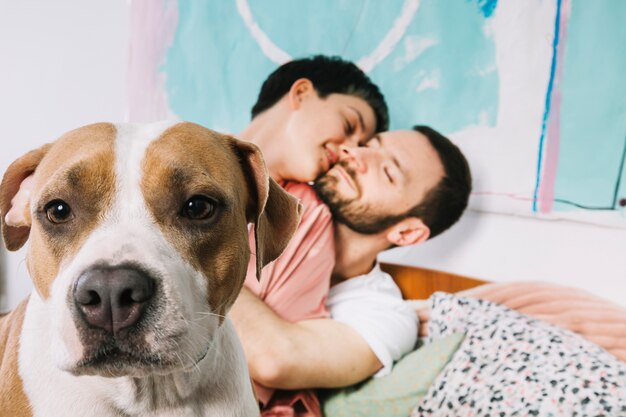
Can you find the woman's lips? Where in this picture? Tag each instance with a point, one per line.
(331, 156)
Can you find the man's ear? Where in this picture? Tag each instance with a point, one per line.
(274, 212)
(15, 198)
(408, 232)
(299, 91)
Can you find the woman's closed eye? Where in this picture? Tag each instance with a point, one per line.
(349, 127)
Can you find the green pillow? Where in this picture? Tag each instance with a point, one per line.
(399, 392)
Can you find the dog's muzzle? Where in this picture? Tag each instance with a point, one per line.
(113, 299)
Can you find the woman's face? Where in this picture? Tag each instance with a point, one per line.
(317, 127)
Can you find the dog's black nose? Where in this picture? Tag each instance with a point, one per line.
(113, 298)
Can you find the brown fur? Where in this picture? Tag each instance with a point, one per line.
(81, 163)
(15, 237)
(272, 211)
(13, 401)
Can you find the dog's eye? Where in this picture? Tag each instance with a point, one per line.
(58, 211)
(199, 207)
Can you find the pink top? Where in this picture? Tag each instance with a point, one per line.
(296, 285)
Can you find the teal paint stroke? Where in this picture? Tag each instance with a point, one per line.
(214, 68)
(460, 67)
(593, 109)
(487, 7)
(442, 73)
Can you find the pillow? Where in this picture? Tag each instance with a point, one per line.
(397, 393)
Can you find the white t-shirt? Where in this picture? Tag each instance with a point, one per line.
(372, 304)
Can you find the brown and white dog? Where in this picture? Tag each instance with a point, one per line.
(138, 247)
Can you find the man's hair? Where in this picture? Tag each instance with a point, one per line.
(329, 75)
(443, 205)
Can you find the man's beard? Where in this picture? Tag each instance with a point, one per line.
(358, 217)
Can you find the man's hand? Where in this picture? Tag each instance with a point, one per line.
(320, 353)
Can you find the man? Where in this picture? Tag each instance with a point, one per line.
(401, 188)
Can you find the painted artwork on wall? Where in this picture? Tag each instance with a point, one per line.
(532, 91)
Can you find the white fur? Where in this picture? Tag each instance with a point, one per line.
(218, 385)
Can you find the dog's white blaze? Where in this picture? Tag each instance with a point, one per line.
(132, 141)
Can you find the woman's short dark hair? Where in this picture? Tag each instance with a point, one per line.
(329, 75)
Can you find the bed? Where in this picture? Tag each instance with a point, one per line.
(500, 349)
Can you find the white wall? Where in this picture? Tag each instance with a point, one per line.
(507, 248)
(62, 65)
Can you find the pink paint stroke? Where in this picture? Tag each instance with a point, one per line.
(152, 29)
(512, 196)
(551, 161)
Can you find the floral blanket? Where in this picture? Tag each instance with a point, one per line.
(510, 364)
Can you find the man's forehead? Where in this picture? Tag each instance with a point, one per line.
(415, 155)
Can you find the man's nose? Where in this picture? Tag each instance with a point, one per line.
(354, 156)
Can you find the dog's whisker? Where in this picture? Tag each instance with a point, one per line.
(195, 363)
(206, 313)
(182, 364)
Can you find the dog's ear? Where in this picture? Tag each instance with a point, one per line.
(274, 212)
(16, 226)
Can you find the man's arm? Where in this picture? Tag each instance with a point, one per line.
(320, 353)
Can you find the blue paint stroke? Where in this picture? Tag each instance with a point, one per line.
(555, 44)
(487, 7)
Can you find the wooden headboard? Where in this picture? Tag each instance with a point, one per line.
(419, 283)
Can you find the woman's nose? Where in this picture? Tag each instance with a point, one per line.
(352, 140)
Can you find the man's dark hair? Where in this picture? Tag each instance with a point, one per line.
(329, 75)
(443, 205)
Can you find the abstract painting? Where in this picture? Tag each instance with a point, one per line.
(532, 91)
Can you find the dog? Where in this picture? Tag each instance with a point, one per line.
(139, 244)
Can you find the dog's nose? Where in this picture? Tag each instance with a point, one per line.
(113, 299)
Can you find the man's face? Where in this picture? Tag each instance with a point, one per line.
(374, 184)
(318, 127)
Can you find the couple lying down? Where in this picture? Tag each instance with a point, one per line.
(324, 315)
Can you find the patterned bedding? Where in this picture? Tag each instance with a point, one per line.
(510, 364)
